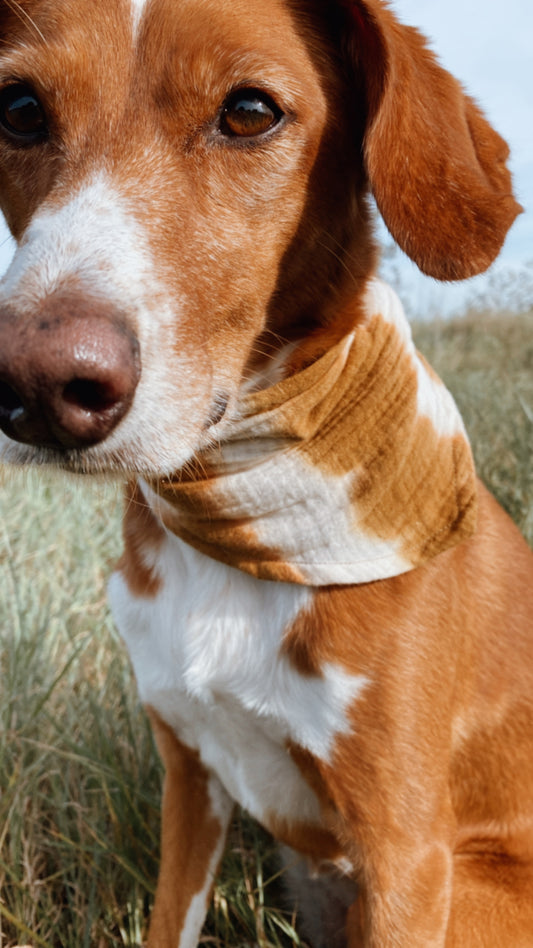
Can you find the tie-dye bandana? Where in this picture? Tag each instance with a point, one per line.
(354, 469)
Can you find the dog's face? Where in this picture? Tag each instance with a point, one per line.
(155, 163)
(186, 182)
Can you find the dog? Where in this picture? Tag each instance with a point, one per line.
(329, 618)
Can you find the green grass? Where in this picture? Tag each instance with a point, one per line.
(79, 776)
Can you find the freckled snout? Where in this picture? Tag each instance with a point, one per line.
(68, 373)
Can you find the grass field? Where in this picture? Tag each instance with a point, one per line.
(79, 776)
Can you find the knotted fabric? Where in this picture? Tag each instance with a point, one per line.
(354, 469)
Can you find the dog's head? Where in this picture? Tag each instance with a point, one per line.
(187, 185)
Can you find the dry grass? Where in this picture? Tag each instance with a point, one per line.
(79, 777)
(488, 364)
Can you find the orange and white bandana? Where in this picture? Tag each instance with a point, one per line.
(354, 469)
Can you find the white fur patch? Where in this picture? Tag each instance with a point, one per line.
(91, 237)
(207, 655)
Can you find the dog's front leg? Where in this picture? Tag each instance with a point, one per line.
(400, 827)
(196, 811)
(408, 906)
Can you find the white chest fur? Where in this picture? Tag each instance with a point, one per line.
(207, 656)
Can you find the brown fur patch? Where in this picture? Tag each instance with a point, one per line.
(189, 834)
(441, 652)
(143, 535)
(316, 842)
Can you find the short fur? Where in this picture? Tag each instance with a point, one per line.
(382, 731)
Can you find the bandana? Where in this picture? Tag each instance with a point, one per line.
(354, 469)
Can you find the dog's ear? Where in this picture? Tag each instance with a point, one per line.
(436, 167)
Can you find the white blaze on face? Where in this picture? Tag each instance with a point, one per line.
(90, 238)
(138, 7)
(93, 246)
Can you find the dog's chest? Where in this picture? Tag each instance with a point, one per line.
(207, 654)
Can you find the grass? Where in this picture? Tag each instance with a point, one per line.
(79, 776)
(487, 362)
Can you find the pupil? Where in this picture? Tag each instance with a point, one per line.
(248, 116)
(252, 113)
(251, 105)
(24, 114)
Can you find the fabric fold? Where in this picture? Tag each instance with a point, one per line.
(355, 469)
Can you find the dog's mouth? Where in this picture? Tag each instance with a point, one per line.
(138, 448)
(82, 416)
(86, 462)
(33, 439)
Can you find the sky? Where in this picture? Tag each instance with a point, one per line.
(488, 45)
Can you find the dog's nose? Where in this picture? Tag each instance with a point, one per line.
(67, 375)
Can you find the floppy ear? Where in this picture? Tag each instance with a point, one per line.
(435, 165)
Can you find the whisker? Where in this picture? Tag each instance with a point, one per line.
(24, 17)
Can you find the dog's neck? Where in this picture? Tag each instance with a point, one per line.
(355, 469)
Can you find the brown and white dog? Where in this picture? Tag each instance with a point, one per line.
(330, 622)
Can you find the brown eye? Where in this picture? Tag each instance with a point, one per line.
(21, 114)
(248, 113)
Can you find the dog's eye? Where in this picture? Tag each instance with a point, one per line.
(248, 113)
(21, 114)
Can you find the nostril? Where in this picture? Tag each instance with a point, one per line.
(90, 395)
(11, 405)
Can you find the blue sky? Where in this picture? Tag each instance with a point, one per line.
(488, 45)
